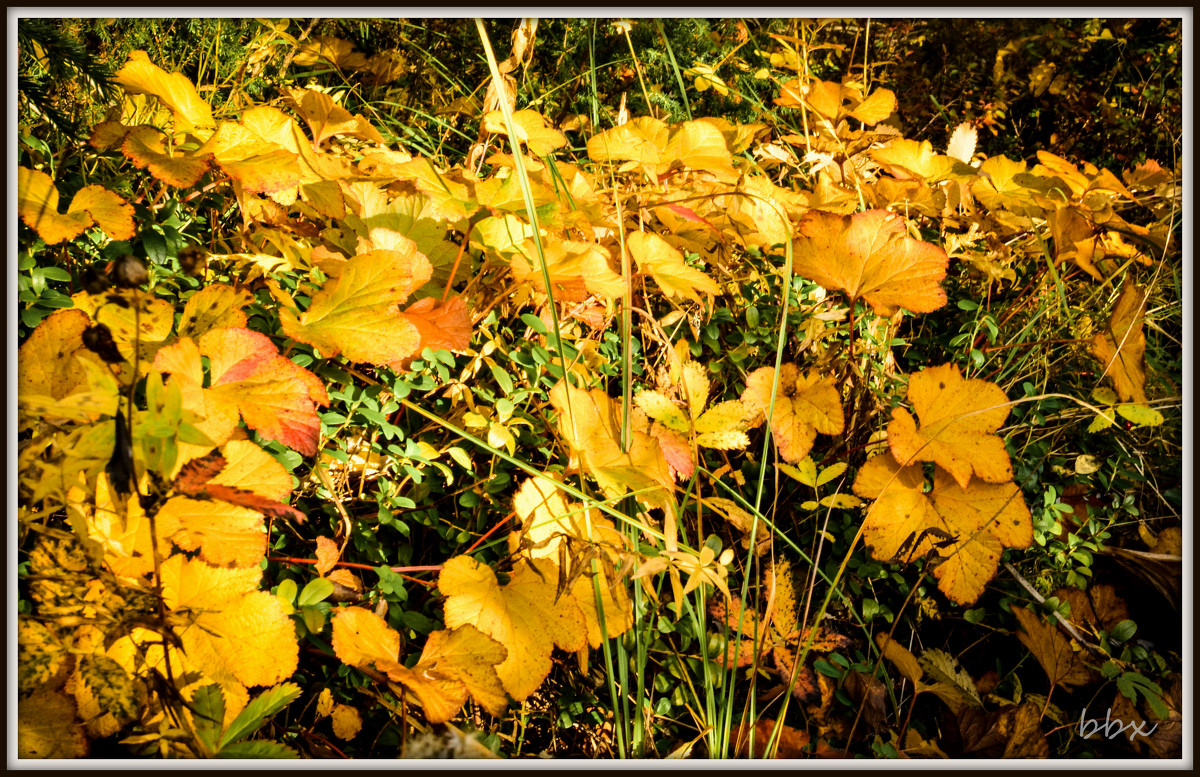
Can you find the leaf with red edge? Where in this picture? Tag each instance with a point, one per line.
(37, 204)
(248, 377)
(147, 148)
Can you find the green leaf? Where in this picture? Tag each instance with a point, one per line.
(827, 669)
(208, 713)
(1123, 631)
(314, 619)
(258, 749)
(260, 709)
(287, 591)
(317, 590)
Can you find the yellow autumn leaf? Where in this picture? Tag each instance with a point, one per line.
(46, 362)
(870, 256)
(959, 418)
(258, 164)
(356, 313)
(531, 130)
(577, 269)
(908, 159)
(1121, 347)
(453, 665)
(806, 404)
(37, 204)
(588, 421)
(174, 90)
(657, 258)
(216, 306)
(122, 533)
(640, 140)
(878, 105)
(525, 616)
(967, 527)
(325, 118)
(362, 638)
(230, 630)
(554, 529)
(347, 721)
(47, 727)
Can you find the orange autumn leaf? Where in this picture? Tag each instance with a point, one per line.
(525, 615)
(356, 313)
(870, 256)
(967, 527)
(248, 377)
(48, 728)
(174, 90)
(258, 164)
(327, 555)
(362, 638)
(37, 204)
(805, 405)
(959, 418)
(1121, 347)
(441, 326)
(147, 148)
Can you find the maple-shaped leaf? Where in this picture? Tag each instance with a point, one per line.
(37, 204)
(174, 90)
(525, 616)
(805, 405)
(870, 256)
(588, 420)
(877, 106)
(640, 140)
(959, 420)
(655, 147)
(1052, 649)
(967, 527)
(356, 313)
(230, 630)
(1121, 347)
(531, 129)
(577, 269)
(147, 148)
(336, 51)
(656, 257)
(247, 377)
(216, 306)
(326, 118)
(1000, 186)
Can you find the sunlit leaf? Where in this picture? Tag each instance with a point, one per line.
(959, 420)
(37, 204)
(967, 527)
(656, 257)
(805, 405)
(525, 616)
(1121, 346)
(141, 76)
(870, 256)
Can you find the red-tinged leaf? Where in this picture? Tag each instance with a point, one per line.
(243, 498)
(194, 475)
(441, 326)
(147, 148)
(37, 204)
(675, 450)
